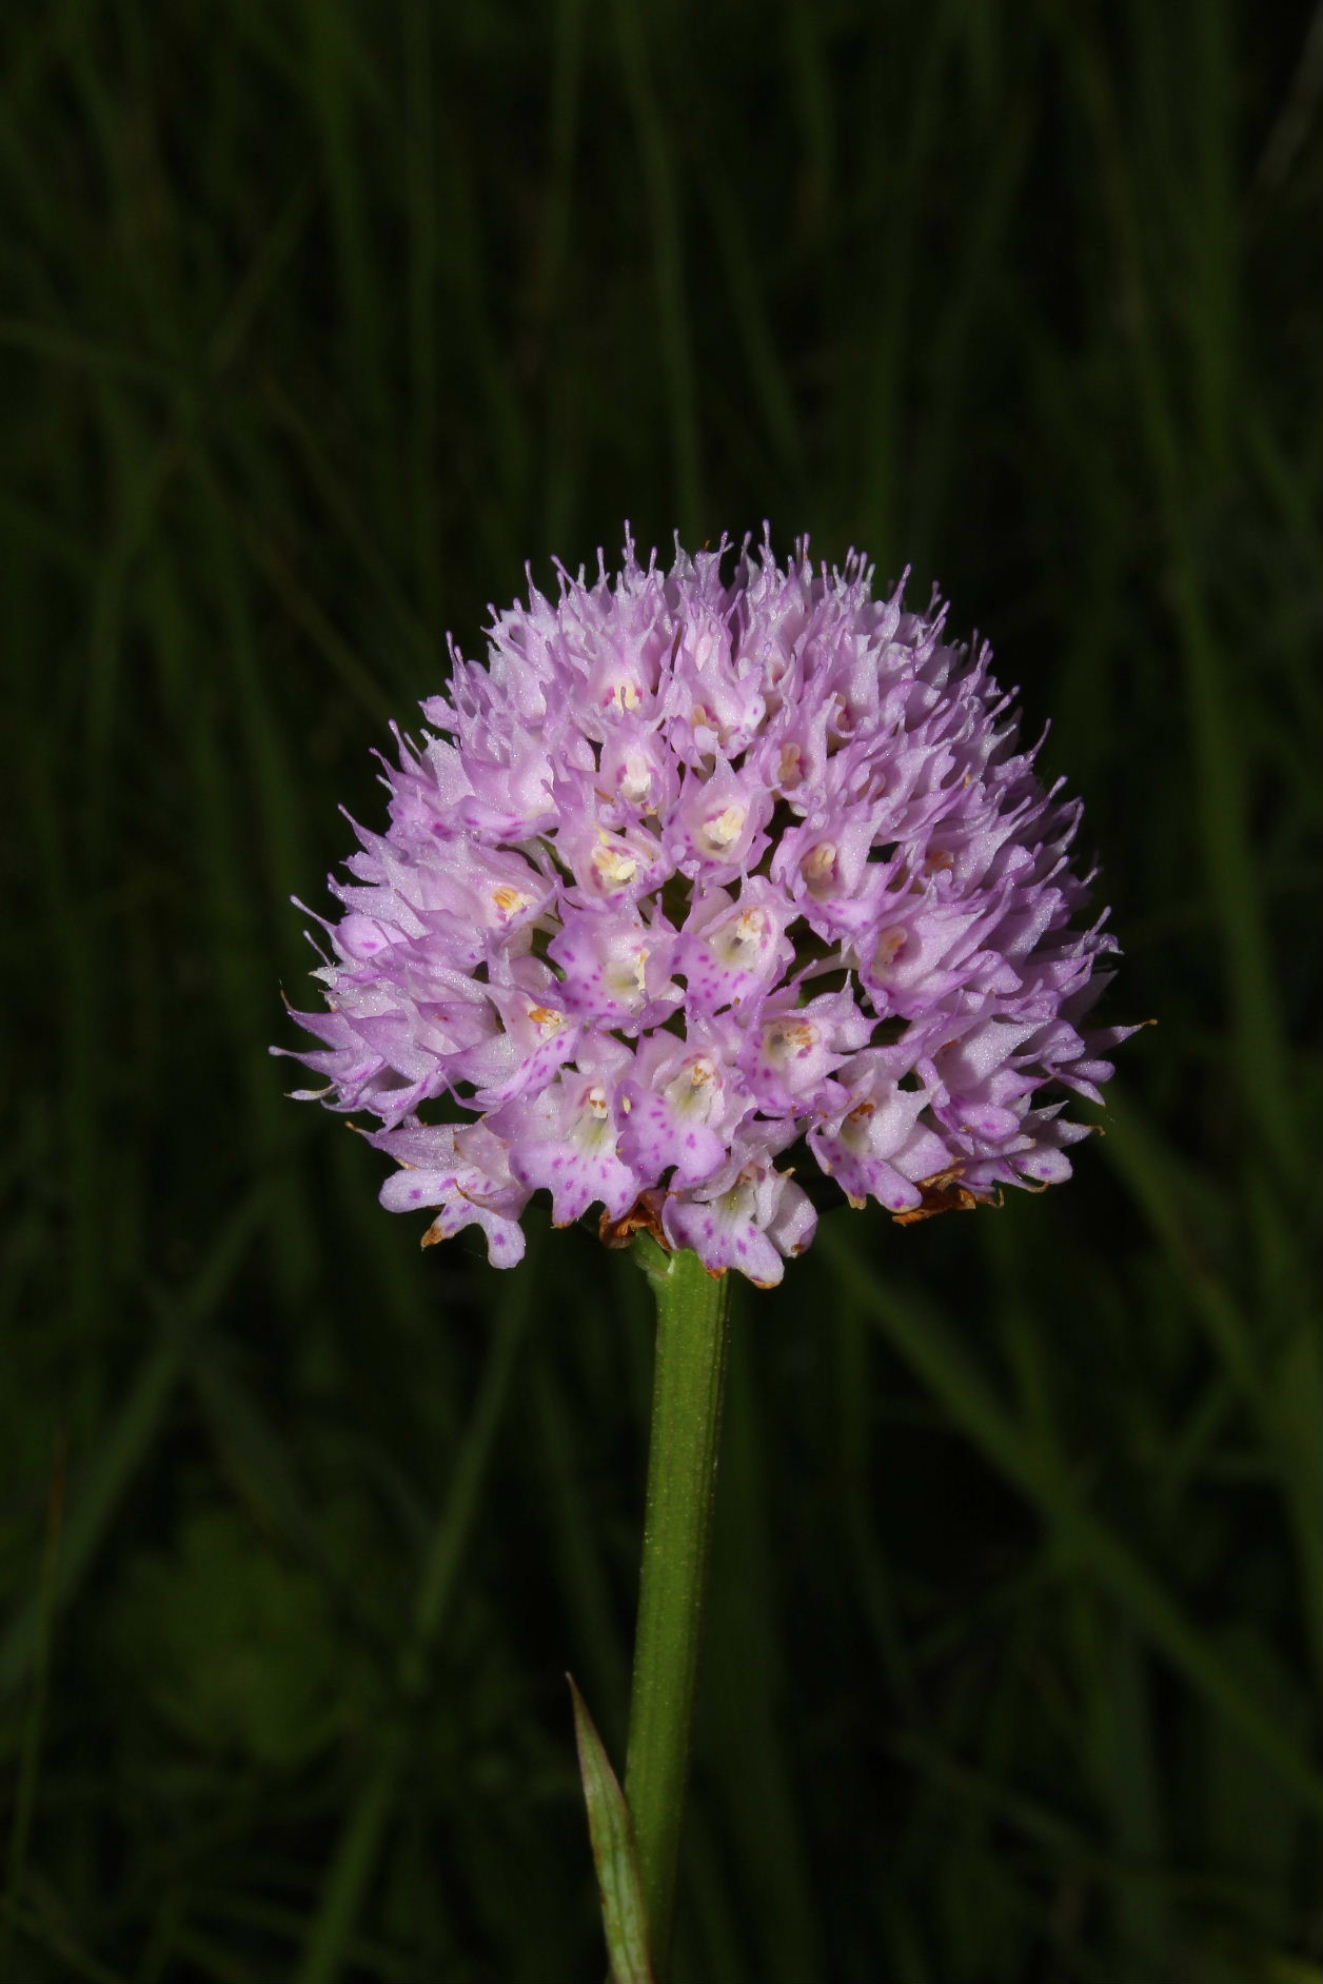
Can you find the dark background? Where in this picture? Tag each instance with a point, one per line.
(318, 321)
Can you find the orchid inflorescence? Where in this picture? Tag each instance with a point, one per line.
(699, 882)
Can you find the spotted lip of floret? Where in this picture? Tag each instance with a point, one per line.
(704, 896)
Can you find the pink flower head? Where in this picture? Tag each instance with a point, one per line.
(699, 881)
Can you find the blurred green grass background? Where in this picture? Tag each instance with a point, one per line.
(318, 321)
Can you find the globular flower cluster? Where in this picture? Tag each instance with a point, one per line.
(700, 881)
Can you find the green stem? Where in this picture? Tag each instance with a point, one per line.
(693, 1332)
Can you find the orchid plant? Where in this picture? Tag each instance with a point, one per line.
(716, 892)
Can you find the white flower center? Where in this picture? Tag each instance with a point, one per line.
(508, 902)
(694, 1090)
(739, 1200)
(792, 766)
(743, 937)
(612, 863)
(718, 834)
(626, 976)
(889, 947)
(593, 1127)
(854, 1130)
(786, 1040)
(818, 867)
(635, 778)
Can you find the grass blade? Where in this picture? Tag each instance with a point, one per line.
(927, 1346)
(615, 1856)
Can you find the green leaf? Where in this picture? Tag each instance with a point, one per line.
(615, 1855)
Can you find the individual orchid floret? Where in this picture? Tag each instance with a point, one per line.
(711, 887)
(464, 1173)
(749, 1220)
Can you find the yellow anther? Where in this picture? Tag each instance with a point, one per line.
(748, 932)
(612, 862)
(889, 946)
(786, 1037)
(717, 835)
(819, 865)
